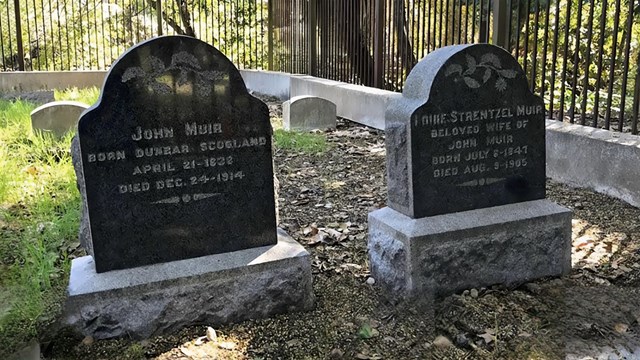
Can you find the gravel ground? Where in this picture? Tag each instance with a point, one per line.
(324, 201)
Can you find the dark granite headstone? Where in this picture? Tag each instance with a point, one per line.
(467, 133)
(176, 157)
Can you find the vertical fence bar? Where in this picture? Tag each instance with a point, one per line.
(596, 101)
(517, 50)
(565, 60)
(312, 36)
(270, 31)
(636, 97)
(501, 23)
(159, 16)
(625, 72)
(534, 56)
(446, 22)
(554, 59)
(585, 82)
(482, 31)
(612, 67)
(576, 58)
(20, 49)
(545, 45)
(12, 62)
(28, 59)
(525, 56)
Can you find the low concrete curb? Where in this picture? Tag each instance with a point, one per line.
(605, 161)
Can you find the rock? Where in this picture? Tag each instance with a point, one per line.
(442, 342)
(336, 354)
(88, 340)
(371, 281)
(473, 293)
(533, 288)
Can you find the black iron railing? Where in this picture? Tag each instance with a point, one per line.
(582, 56)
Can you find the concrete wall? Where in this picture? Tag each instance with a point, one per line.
(23, 81)
(361, 104)
(267, 82)
(605, 161)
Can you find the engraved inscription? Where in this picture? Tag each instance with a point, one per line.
(194, 166)
(480, 142)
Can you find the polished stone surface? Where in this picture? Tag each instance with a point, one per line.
(176, 158)
(466, 134)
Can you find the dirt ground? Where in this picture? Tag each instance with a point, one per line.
(324, 200)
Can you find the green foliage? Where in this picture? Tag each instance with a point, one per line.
(70, 35)
(310, 143)
(39, 215)
(88, 96)
(578, 66)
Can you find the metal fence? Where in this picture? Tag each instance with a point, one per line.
(582, 56)
(92, 34)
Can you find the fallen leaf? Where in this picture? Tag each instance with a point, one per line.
(186, 351)
(442, 342)
(621, 328)
(488, 336)
(88, 340)
(293, 342)
(367, 357)
(211, 334)
(200, 341)
(227, 345)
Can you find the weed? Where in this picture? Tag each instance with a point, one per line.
(311, 143)
(39, 214)
(87, 96)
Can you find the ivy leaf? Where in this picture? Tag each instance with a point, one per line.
(472, 83)
(471, 65)
(501, 85)
(487, 75)
(132, 73)
(509, 74)
(491, 59)
(453, 69)
(154, 66)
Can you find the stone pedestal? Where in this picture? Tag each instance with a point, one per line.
(443, 254)
(215, 289)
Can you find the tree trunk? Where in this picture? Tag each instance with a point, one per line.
(185, 18)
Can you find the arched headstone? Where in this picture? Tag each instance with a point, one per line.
(57, 117)
(466, 180)
(176, 157)
(174, 166)
(466, 134)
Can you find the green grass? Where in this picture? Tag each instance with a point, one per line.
(87, 96)
(310, 143)
(39, 220)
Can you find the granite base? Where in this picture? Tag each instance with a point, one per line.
(211, 290)
(444, 254)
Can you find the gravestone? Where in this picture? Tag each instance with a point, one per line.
(466, 179)
(306, 112)
(175, 156)
(174, 167)
(57, 117)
